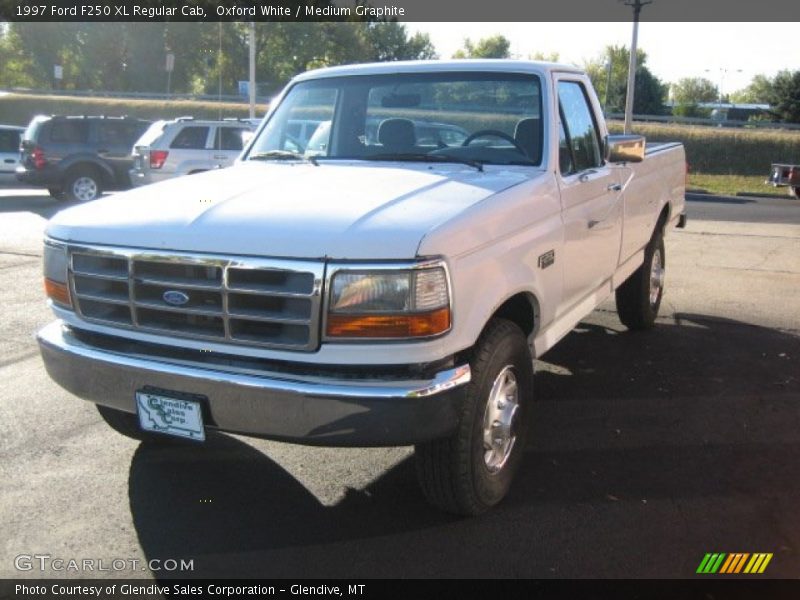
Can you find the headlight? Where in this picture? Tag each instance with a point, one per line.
(403, 303)
(55, 274)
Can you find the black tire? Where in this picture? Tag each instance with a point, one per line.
(639, 298)
(455, 473)
(83, 185)
(127, 424)
(56, 193)
(794, 191)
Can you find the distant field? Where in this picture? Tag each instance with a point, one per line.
(19, 109)
(723, 151)
(710, 151)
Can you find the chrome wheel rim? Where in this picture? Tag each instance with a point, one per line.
(502, 408)
(84, 189)
(656, 277)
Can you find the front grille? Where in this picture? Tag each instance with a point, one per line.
(252, 301)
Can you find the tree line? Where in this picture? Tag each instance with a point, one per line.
(211, 58)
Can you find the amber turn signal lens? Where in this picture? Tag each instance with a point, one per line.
(389, 326)
(57, 292)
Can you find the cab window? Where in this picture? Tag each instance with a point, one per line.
(579, 130)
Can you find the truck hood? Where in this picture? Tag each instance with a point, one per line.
(290, 209)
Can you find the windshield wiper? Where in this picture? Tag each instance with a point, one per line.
(421, 157)
(282, 155)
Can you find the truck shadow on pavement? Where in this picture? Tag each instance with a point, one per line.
(627, 427)
(37, 203)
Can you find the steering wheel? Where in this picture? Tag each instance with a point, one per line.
(494, 133)
(293, 141)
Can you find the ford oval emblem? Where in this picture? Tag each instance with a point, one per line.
(175, 298)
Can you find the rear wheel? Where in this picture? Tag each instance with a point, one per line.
(127, 424)
(472, 470)
(639, 298)
(83, 185)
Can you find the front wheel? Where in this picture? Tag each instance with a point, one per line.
(639, 298)
(794, 191)
(472, 470)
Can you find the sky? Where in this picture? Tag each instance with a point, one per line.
(728, 54)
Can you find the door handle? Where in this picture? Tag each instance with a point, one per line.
(614, 187)
(10, 161)
(220, 157)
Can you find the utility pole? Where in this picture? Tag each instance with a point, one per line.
(252, 85)
(637, 8)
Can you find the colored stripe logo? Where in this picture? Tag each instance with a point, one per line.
(734, 563)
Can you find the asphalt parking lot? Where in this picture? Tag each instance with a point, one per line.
(649, 449)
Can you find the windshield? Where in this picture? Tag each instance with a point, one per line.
(486, 118)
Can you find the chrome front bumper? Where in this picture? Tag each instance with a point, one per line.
(302, 409)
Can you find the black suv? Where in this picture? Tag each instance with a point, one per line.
(76, 158)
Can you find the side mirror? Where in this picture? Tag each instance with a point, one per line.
(624, 148)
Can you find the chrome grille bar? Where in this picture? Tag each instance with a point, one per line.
(272, 303)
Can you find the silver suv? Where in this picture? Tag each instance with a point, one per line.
(186, 145)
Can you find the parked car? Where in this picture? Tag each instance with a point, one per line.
(782, 174)
(76, 158)
(185, 146)
(386, 292)
(10, 138)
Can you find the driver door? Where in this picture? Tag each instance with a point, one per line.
(590, 195)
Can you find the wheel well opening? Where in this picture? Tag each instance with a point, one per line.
(86, 167)
(521, 309)
(663, 218)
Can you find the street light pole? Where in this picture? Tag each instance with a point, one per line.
(637, 8)
(723, 71)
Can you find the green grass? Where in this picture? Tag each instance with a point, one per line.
(730, 185)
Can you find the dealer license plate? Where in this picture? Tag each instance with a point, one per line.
(171, 416)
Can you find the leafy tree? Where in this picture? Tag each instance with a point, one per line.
(15, 66)
(785, 96)
(37, 47)
(694, 90)
(389, 41)
(691, 110)
(209, 57)
(496, 46)
(546, 57)
(649, 91)
(757, 92)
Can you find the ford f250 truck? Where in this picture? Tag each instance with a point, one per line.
(390, 286)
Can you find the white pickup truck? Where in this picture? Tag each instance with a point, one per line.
(390, 286)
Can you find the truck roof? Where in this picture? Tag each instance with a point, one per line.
(429, 66)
